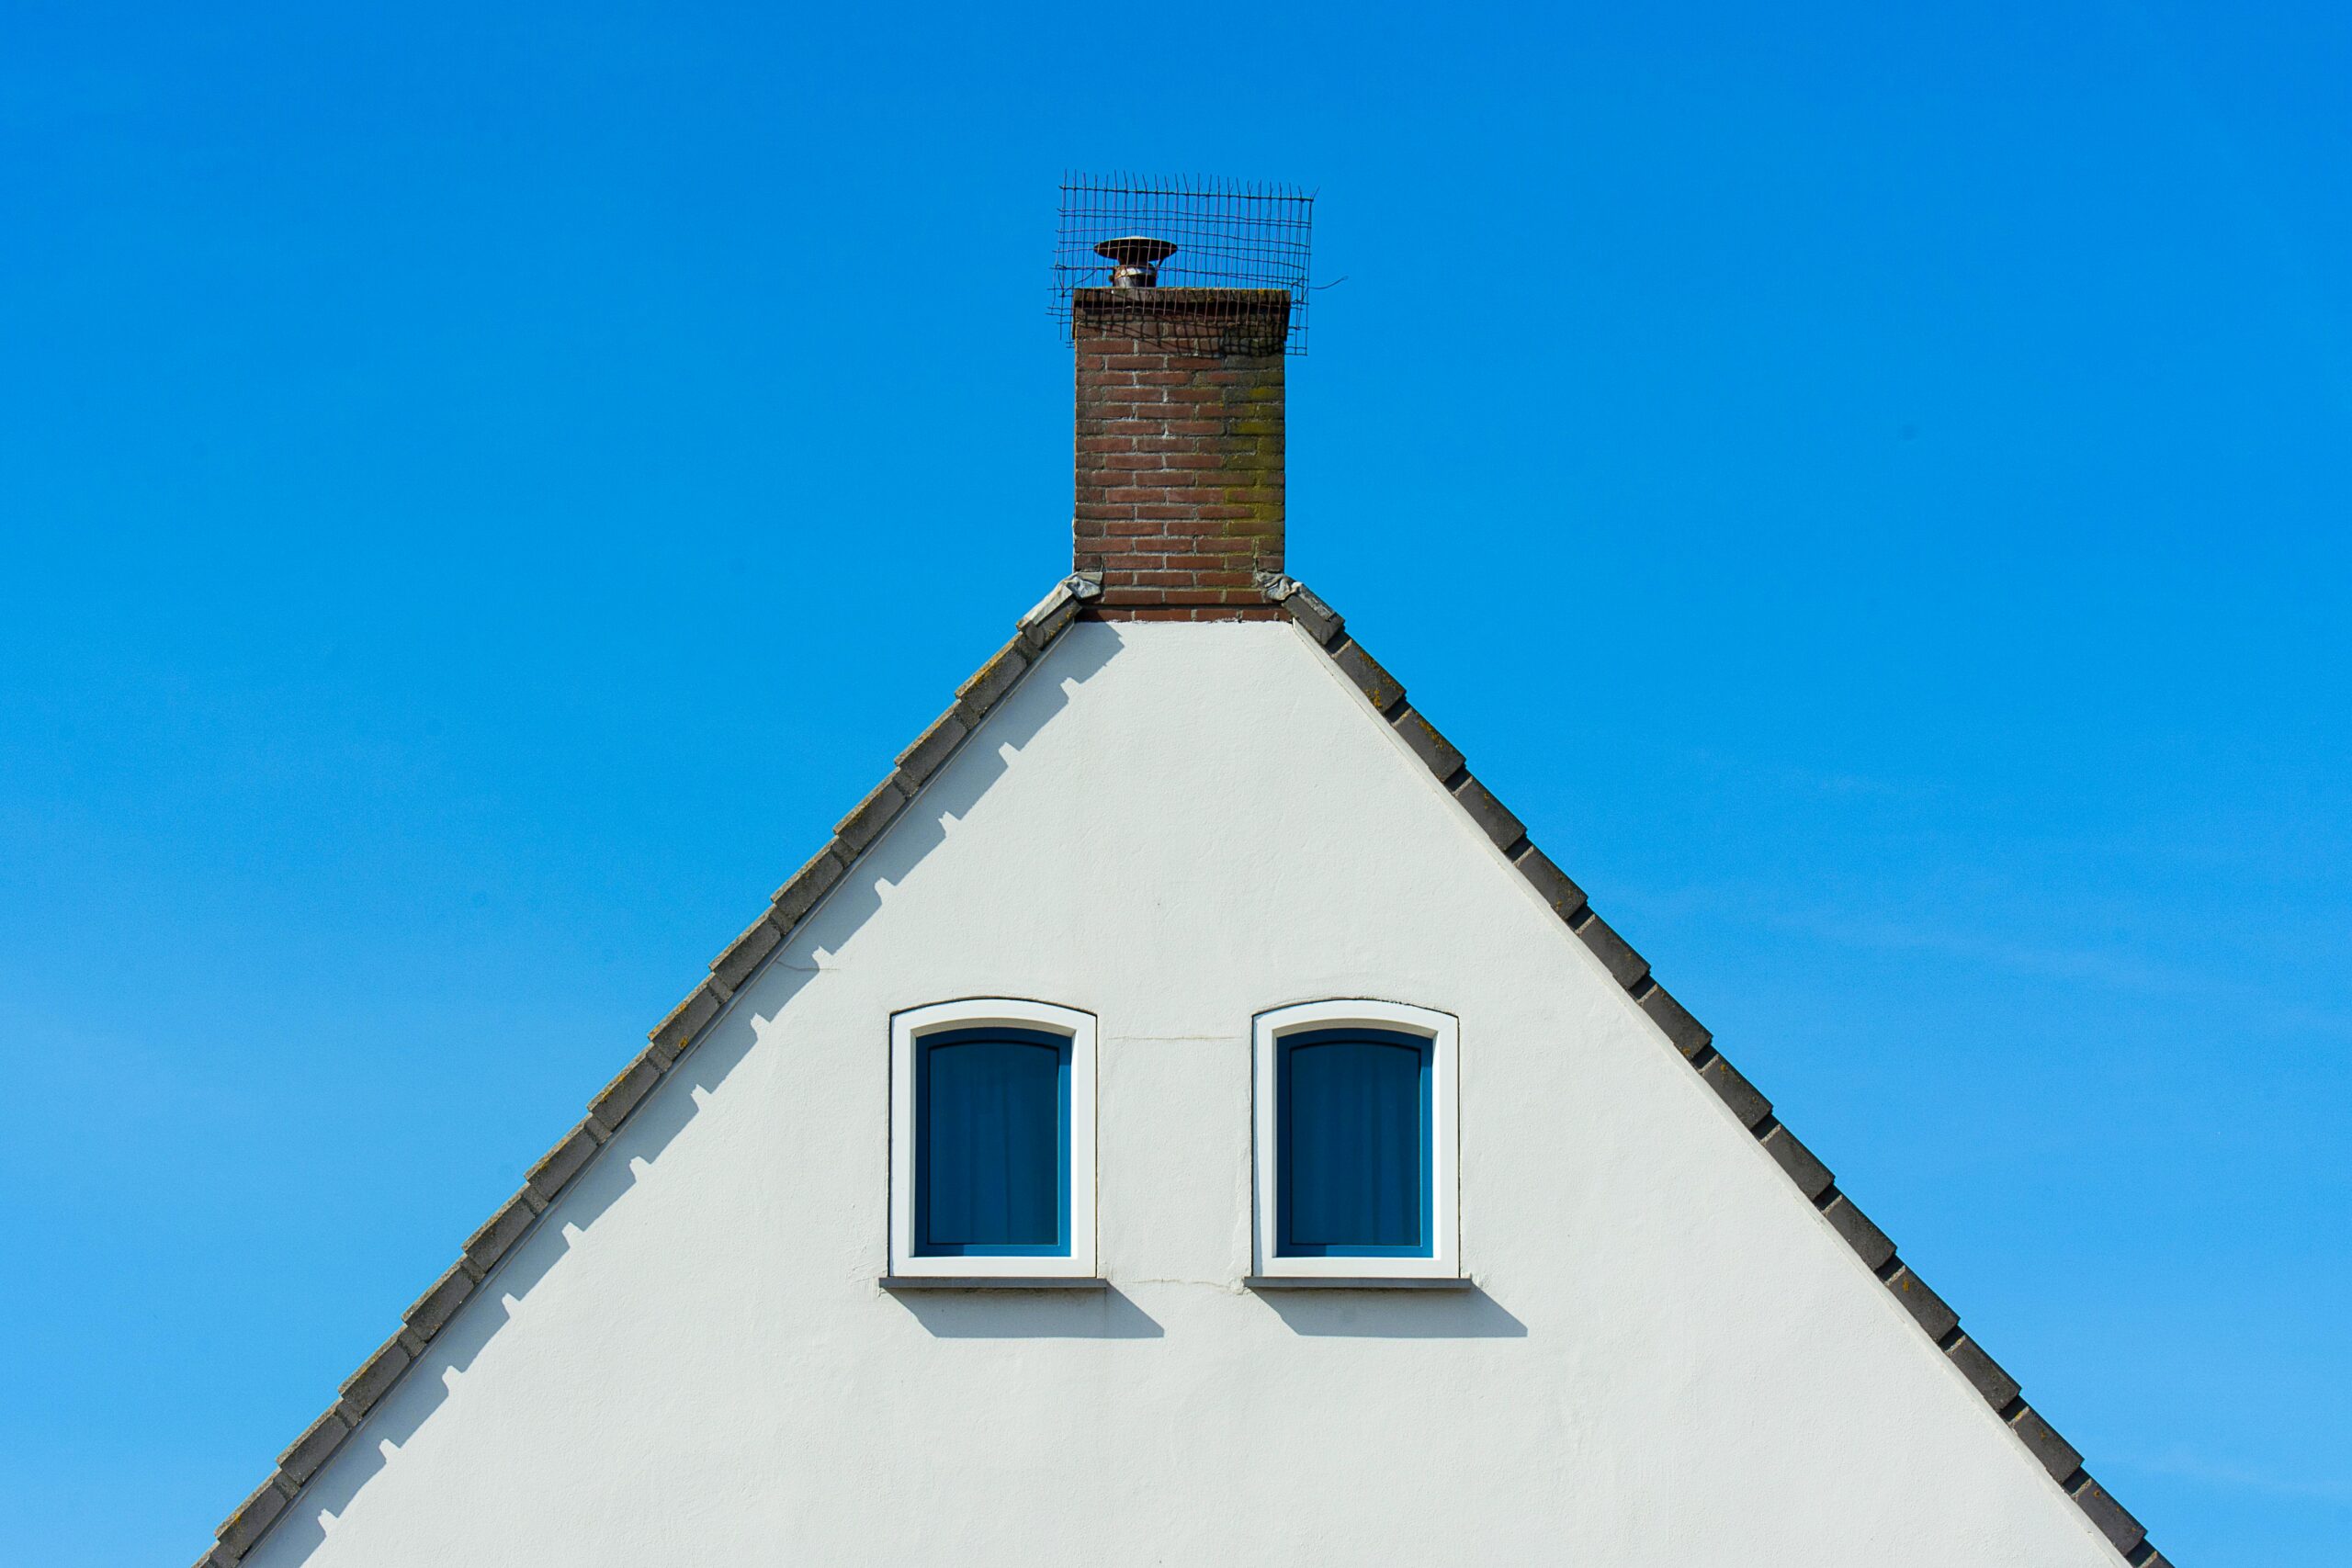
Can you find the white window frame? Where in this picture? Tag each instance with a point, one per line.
(906, 1028)
(1444, 1031)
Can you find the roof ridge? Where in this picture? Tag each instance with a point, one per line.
(671, 1040)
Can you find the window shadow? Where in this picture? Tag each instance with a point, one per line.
(1029, 1315)
(1394, 1315)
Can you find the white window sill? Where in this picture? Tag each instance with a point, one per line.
(1356, 1282)
(990, 1282)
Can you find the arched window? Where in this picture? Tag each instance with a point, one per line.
(992, 1140)
(1352, 1138)
(991, 1143)
(1355, 1141)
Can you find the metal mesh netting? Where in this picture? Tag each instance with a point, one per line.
(1226, 234)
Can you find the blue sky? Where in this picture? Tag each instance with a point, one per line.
(482, 494)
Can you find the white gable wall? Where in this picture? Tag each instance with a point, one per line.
(1671, 1359)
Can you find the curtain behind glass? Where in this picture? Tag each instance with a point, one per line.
(991, 1143)
(1353, 1175)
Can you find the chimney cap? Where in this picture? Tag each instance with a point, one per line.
(1220, 238)
(1135, 260)
(1136, 248)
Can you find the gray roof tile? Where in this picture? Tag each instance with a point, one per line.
(677, 1034)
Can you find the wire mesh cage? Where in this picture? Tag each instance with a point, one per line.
(1128, 231)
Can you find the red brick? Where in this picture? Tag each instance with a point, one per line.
(1179, 454)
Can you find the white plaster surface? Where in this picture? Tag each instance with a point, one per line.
(1671, 1359)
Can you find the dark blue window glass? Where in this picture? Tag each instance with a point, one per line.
(1353, 1144)
(991, 1143)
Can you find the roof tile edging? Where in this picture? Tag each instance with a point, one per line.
(668, 1043)
(1694, 1042)
(678, 1033)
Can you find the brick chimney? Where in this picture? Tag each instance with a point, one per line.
(1180, 449)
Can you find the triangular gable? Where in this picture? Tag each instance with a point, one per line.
(690, 1022)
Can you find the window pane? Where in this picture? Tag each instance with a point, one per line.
(1355, 1155)
(991, 1172)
